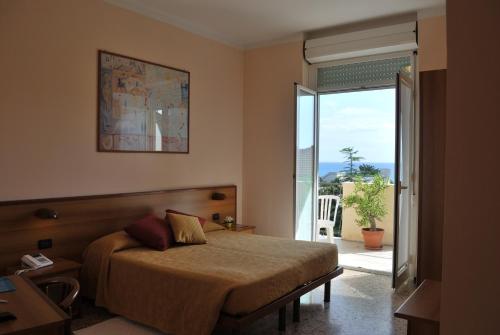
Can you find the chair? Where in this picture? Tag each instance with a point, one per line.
(63, 291)
(324, 215)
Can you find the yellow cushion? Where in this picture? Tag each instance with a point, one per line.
(187, 229)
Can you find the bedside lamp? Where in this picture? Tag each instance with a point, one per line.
(218, 196)
(46, 214)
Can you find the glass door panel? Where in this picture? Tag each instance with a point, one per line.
(305, 163)
(404, 111)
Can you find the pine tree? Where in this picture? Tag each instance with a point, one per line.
(368, 170)
(350, 158)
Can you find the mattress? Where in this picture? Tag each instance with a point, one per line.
(260, 268)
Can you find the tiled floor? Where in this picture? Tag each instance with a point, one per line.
(353, 255)
(361, 303)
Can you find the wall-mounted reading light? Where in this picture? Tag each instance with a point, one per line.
(218, 196)
(46, 213)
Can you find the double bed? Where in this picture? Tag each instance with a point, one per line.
(231, 280)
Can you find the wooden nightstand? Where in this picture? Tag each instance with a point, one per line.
(243, 229)
(61, 267)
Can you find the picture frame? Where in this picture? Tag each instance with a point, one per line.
(142, 106)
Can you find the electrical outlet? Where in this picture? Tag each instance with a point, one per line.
(215, 217)
(45, 244)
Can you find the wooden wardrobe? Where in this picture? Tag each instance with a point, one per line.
(432, 163)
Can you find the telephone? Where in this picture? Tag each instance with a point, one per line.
(36, 261)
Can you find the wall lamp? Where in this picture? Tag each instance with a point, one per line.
(218, 196)
(46, 214)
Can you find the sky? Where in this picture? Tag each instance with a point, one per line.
(364, 120)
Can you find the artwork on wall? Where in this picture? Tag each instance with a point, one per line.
(143, 107)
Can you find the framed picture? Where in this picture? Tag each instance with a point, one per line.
(143, 107)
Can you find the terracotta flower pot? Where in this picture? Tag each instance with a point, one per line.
(373, 238)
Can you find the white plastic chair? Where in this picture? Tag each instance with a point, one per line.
(324, 214)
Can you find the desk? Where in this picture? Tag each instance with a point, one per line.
(422, 309)
(35, 312)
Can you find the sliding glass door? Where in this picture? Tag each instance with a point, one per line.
(305, 163)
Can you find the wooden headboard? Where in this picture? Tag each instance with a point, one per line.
(83, 219)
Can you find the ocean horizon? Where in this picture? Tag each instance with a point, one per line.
(327, 167)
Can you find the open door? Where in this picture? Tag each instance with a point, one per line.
(402, 196)
(305, 175)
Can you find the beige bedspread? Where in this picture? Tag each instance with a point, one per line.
(183, 289)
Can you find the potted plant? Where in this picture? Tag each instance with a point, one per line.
(368, 202)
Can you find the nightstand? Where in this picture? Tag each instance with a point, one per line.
(61, 267)
(242, 229)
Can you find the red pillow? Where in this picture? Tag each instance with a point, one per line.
(152, 231)
(202, 220)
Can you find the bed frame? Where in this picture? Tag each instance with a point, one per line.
(83, 219)
(236, 323)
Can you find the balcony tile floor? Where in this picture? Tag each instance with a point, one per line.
(354, 256)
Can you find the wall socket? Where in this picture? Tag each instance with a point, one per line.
(45, 244)
(215, 217)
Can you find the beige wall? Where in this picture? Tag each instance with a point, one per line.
(432, 43)
(48, 115)
(350, 229)
(270, 74)
(48, 108)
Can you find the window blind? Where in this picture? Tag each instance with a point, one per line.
(356, 75)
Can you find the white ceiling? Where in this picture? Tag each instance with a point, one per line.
(250, 23)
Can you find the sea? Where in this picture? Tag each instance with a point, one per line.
(326, 167)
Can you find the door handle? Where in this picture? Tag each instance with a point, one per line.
(401, 187)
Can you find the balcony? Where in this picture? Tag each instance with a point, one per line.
(352, 253)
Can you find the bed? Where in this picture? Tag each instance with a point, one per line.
(230, 281)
